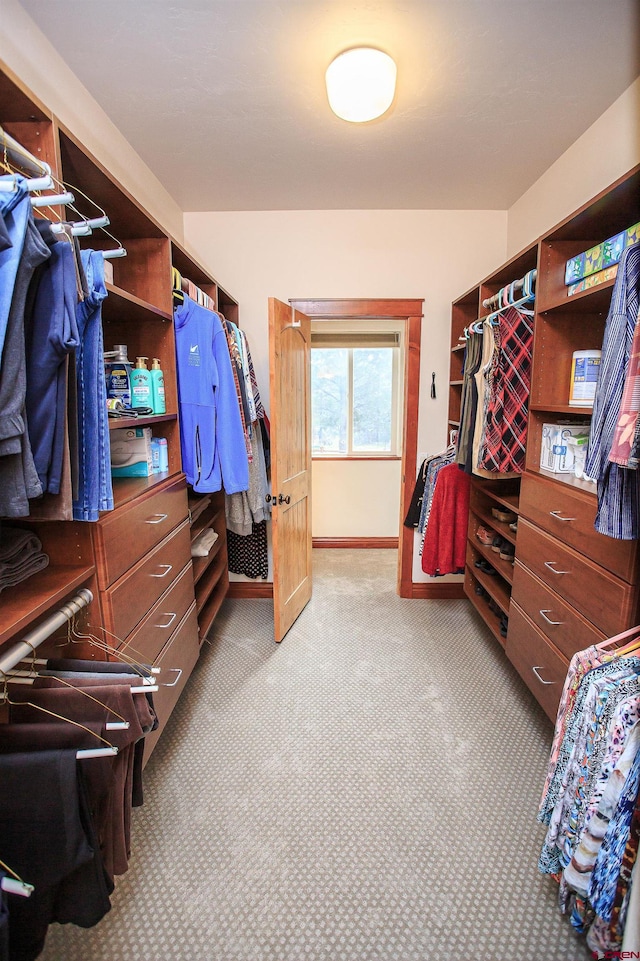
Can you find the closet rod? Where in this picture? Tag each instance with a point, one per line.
(24, 648)
(21, 156)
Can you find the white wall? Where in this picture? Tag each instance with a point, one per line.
(606, 151)
(32, 58)
(430, 254)
(355, 498)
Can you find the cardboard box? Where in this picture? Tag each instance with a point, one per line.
(131, 454)
(599, 257)
(556, 455)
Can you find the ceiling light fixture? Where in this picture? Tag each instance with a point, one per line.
(361, 84)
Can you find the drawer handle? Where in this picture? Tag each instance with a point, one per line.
(170, 614)
(550, 564)
(541, 679)
(175, 670)
(558, 516)
(160, 519)
(167, 568)
(549, 621)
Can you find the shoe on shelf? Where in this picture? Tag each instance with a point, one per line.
(480, 591)
(507, 517)
(485, 535)
(497, 543)
(507, 552)
(504, 625)
(513, 526)
(484, 566)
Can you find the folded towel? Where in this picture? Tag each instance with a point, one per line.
(204, 542)
(21, 556)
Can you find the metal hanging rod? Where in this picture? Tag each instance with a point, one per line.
(24, 647)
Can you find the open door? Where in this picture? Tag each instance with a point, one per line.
(289, 366)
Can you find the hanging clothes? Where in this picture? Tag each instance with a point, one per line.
(590, 798)
(445, 540)
(505, 437)
(213, 445)
(468, 402)
(248, 554)
(618, 487)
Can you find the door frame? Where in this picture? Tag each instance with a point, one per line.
(410, 311)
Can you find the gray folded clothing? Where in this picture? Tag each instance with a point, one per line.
(21, 555)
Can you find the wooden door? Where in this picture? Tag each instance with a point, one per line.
(289, 365)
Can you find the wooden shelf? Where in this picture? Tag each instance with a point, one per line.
(456, 383)
(503, 568)
(200, 524)
(459, 347)
(595, 300)
(126, 489)
(122, 305)
(209, 580)
(502, 492)
(209, 611)
(38, 596)
(490, 619)
(115, 422)
(570, 480)
(562, 409)
(500, 527)
(200, 564)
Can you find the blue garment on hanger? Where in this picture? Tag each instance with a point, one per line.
(51, 333)
(14, 209)
(95, 491)
(213, 446)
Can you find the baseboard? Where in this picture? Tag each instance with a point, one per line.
(434, 591)
(250, 589)
(367, 543)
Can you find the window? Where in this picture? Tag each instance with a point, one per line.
(355, 393)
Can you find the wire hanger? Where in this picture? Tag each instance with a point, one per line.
(108, 750)
(15, 884)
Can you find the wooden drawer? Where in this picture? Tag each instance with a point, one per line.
(527, 648)
(601, 598)
(127, 534)
(564, 626)
(131, 597)
(180, 653)
(546, 502)
(151, 635)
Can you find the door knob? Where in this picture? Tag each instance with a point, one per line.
(284, 500)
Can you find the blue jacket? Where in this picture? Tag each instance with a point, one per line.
(213, 448)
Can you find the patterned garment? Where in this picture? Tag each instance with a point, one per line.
(248, 555)
(236, 367)
(629, 417)
(606, 870)
(573, 725)
(618, 487)
(508, 407)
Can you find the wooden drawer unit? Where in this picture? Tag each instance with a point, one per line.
(601, 598)
(180, 653)
(127, 534)
(148, 639)
(126, 602)
(542, 668)
(564, 626)
(569, 515)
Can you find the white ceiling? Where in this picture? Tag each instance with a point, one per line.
(225, 100)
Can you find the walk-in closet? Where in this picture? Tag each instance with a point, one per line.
(319, 480)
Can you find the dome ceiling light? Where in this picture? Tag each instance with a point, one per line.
(361, 84)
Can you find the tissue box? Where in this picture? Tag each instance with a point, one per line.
(131, 454)
(556, 454)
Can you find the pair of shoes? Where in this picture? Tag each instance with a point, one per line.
(507, 517)
(504, 625)
(495, 608)
(485, 566)
(507, 551)
(485, 535)
(480, 591)
(498, 543)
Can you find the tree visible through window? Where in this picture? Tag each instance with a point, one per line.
(354, 407)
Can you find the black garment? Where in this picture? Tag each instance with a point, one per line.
(44, 819)
(4, 923)
(5, 243)
(415, 507)
(248, 555)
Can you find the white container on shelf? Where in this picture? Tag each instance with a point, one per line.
(585, 366)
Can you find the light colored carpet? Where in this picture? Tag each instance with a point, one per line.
(365, 791)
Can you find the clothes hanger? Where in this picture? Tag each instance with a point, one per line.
(107, 751)
(15, 884)
(632, 636)
(28, 677)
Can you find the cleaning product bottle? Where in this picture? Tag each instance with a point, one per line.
(118, 374)
(141, 384)
(157, 388)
